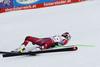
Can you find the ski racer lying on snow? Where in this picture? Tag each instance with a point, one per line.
(45, 43)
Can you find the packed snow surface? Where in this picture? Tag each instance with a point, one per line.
(81, 20)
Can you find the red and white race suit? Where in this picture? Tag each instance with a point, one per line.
(45, 43)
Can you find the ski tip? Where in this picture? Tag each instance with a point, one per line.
(75, 48)
(4, 55)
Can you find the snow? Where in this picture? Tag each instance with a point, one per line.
(81, 20)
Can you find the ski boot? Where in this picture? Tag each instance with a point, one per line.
(20, 49)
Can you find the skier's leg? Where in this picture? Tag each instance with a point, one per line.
(24, 44)
(30, 39)
(46, 43)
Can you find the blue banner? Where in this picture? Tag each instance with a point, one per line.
(18, 3)
(6, 4)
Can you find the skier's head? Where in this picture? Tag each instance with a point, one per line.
(66, 35)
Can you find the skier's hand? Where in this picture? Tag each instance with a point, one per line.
(54, 44)
(61, 43)
(57, 44)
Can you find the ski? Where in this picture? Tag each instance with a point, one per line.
(39, 52)
(2, 52)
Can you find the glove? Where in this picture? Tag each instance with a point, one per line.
(54, 44)
(33, 43)
(57, 44)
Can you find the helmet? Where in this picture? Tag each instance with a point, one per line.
(66, 35)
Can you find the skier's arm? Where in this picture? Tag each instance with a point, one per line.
(63, 42)
(60, 43)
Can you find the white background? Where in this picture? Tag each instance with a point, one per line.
(81, 20)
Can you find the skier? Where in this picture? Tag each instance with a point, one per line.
(45, 43)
